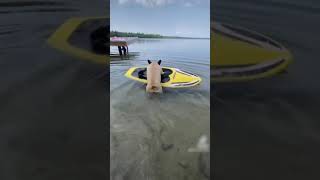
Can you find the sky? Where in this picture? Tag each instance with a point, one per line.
(187, 18)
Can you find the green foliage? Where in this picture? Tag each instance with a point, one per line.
(143, 35)
(130, 34)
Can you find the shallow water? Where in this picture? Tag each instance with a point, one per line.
(150, 135)
(269, 129)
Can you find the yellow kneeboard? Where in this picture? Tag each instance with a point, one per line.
(61, 39)
(239, 54)
(172, 77)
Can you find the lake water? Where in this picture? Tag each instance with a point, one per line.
(269, 129)
(150, 136)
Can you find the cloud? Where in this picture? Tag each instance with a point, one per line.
(155, 3)
(123, 1)
(188, 4)
(152, 3)
(147, 3)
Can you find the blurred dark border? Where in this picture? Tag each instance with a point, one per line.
(269, 128)
(57, 130)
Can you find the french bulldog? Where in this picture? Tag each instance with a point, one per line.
(154, 72)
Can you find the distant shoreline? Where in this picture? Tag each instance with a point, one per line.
(173, 37)
(153, 36)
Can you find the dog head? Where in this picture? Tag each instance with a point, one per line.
(159, 62)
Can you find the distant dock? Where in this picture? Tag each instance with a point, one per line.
(123, 44)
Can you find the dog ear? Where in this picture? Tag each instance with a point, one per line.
(149, 61)
(159, 62)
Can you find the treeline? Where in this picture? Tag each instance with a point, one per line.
(143, 35)
(130, 34)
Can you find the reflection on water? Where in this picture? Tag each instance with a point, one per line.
(269, 129)
(151, 135)
(53, 106)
